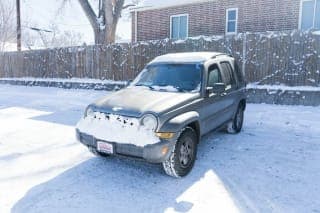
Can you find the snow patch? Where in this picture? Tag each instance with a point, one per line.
(66, 80)
(283, 87)
(180, 41)
(311, 80)
(206, 38)
(316, 32)
(39, 157)
(166, 88)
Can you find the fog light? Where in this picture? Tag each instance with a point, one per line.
(164, 150)
(165, 135)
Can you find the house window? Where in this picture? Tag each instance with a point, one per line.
(231, 20)
(310, 14)
(179, 26)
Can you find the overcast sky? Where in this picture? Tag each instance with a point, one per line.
(42, 14)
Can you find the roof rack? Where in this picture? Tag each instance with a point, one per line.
(221, 54)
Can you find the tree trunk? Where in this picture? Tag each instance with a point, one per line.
(99, 36)
(105, 24)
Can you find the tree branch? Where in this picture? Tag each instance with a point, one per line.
(117, 10)
(128, 5)
(92, 17)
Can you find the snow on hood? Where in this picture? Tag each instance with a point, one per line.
(135, 101)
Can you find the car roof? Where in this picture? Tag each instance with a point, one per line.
(186, 57)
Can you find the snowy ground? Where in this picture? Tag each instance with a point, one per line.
(271, 166)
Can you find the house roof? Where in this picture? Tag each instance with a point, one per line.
(153, 4)
(187, 57)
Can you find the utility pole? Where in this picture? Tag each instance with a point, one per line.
(18, 26)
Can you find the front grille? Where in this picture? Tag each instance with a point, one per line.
(123, 120)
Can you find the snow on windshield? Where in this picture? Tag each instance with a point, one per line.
(171, 77)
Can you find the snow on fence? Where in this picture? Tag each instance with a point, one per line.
(289, 58)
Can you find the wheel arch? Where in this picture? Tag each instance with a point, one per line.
(177, 123)
(195, 125)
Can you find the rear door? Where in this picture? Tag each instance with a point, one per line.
(230, 94)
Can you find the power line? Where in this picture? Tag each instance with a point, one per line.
(38, 29)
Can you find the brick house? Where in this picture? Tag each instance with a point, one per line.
(188, 18)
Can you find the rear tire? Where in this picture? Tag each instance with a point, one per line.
(182, 159)
(235, 125)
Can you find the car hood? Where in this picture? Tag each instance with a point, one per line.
(136, 101)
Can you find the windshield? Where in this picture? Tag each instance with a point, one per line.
(171, 77)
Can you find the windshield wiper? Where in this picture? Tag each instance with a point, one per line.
(180, 89)
(144, 85)
(162, 87)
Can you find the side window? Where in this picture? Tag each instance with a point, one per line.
(227, 75)
(310, 14)
(214, 75)
(179, 26)
(231, 21)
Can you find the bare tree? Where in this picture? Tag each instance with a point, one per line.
(105, 23)
(7, 25)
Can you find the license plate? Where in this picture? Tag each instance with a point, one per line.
(105, 147)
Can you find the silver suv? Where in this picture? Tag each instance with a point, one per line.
(162, 114)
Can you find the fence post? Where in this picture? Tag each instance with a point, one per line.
(244, 53)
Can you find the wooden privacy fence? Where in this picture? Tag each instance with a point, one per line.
(290, 58)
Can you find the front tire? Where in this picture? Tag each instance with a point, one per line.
(236, 124)
(182, 159)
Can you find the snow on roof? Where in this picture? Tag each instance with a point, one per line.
(189, 57)
(153, 4)
(316, 32)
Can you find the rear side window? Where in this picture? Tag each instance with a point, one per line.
(238, 73)
(227, 74)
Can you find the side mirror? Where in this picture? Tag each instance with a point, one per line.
(217, 88)
(209, 90)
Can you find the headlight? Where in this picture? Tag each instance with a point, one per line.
(89, 112)
(149, 122)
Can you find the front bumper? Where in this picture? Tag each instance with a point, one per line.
(151, 153)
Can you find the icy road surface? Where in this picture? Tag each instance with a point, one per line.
(273, 165)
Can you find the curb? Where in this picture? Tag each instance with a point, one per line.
(66, 85)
